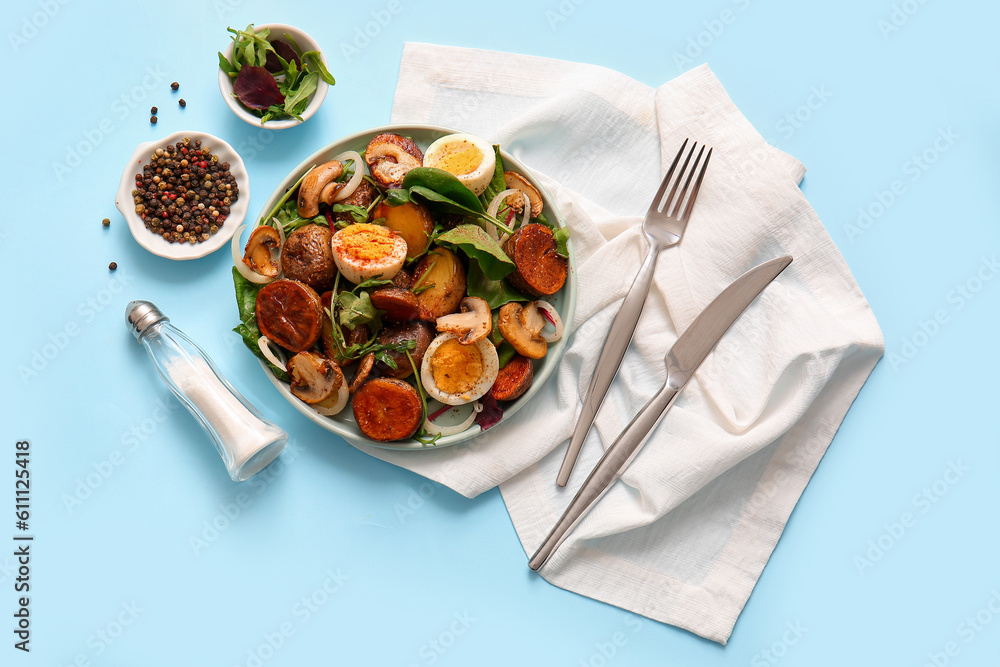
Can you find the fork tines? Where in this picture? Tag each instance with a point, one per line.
(672, 206)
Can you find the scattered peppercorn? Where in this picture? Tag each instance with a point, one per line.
(182, 102)
(175, 86)
(184, 193)
(113, 265)
(152, 119)
(153, 110)
(106, 222)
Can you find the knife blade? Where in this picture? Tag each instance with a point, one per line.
(683, 359)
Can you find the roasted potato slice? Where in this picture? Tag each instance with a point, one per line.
(411, 221)
(440, 279)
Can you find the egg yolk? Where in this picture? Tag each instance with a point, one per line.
(459, 158)
(368, 242)
(456, 367)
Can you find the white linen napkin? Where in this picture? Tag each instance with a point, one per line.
(683, 537)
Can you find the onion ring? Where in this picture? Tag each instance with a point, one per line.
(241, 266)
(264, 345)
(492, 211)
(359, 173)
(343, 395)
(433, 429)
(524, 218)
(550, 313)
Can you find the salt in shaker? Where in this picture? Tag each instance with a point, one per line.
(246, 441)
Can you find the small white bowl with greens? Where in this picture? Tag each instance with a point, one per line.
(273, 76)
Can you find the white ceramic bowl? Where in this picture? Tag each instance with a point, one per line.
(305, 43)
(564, 301)
(154, 243)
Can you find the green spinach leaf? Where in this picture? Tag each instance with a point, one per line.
(477, 244)
(397, 197)
(495, 292)
(444, 184)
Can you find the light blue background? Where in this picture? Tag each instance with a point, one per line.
(452, 574)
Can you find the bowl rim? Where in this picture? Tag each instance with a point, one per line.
(226, 84)
(567, 296)
(183, 251)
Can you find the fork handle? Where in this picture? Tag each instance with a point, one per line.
(611, 357)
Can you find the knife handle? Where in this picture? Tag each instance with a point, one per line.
(615, 460)
(611, 357)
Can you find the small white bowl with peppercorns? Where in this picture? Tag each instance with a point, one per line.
(183, 196)
(273, 75)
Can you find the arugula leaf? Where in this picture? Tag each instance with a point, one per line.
(561, 236)
(227, 67)
(289, 219)
(359, 213)
(291, 40)
(477, 244)
(316, 63)
(422, 436)
(371, 283)
(291, 72)
(356, 309)
(298, 99)
(246, 301)
(495, 292)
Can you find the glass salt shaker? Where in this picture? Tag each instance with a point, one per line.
(246, 441)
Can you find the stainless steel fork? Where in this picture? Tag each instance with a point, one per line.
(663, 226)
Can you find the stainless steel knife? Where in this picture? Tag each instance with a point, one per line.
(682, 361)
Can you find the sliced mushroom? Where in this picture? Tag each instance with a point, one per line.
(516, 181)
(390, 156)
(330, 191)
(471, 324)
(364, 368)
(316, 380)
(261, 249)
(313, 185)
(521, 326)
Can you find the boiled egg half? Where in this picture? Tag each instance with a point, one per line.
(469, 158)
(362, 251)
(454, 373)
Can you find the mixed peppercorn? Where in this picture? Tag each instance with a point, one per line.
(184, 193)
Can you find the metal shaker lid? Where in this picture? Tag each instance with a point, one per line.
(140, 315)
